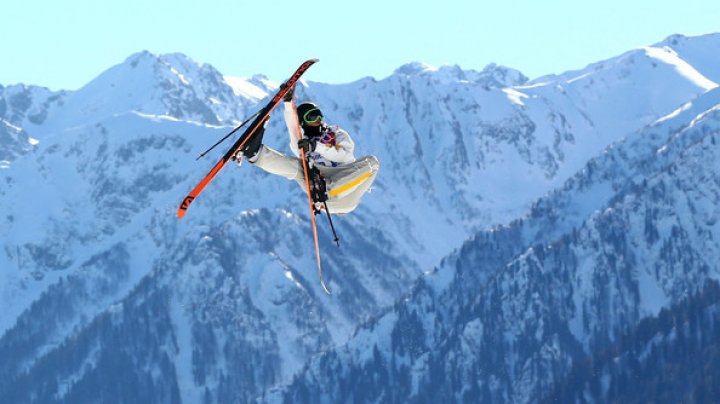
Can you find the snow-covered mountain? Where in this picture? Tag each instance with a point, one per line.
(107, 296)
(505, 317)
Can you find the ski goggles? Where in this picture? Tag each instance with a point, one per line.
(313, 116)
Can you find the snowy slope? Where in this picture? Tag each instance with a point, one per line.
(167, 85)
(607, 100)
(93, 245)
(699, 52)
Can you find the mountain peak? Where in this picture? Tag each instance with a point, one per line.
(145, 56)
(492, 75)
(165, 85)
(503, 75)
(139, 57)
(414, 68)
(177, 67)
(678, 39)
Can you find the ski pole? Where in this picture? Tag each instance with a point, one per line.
(327, 211)
(228, 135)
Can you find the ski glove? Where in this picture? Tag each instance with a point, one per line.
(289, 96)
(306, 144)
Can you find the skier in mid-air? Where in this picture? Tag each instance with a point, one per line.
(343, 179)
(326, 168)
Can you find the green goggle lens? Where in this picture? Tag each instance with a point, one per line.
(312, 116)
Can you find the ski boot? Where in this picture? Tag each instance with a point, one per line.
(318, 190)
(252, 147)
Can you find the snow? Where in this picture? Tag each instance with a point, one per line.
(371, 336)
(242, 87)
(11, 126)
(515, 96)
(667, 55)
(580, 77)
(64, 386)
(674, 114)
(702, 115)
(652, 297)
(189, 391)
(155, 117)
(538, 84)
(290, 276)
(441, 278)
(180, 76)
(415, 68)
(698, 51)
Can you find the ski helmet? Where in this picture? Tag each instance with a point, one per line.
(309, 113)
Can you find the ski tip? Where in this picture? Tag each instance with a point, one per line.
(325, 288)
(183, 206)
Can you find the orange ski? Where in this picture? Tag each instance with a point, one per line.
(306, 171)
(231, 154)
(312, 220)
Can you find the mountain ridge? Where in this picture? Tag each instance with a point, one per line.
(90, 216)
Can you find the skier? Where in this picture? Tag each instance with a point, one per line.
(342, 180)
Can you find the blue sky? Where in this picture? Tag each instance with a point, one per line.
(65, 44)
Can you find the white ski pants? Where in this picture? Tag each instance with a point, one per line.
(346, 183)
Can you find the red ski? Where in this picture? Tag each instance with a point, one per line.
(231, 154)
(308, 185)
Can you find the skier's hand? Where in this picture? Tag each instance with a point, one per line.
(306, 144)
(289, 96)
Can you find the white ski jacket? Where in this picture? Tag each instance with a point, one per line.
(334, 147)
